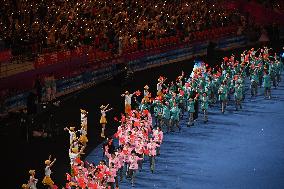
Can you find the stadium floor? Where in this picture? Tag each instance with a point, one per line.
(230, 151)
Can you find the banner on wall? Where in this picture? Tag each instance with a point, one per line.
(50, 58)
(5, 56)
(39, 62)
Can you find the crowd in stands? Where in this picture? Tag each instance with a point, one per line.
(277, 5)
(111, 25)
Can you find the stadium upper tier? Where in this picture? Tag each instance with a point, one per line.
(29, 26)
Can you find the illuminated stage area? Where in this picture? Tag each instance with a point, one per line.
(117, 94)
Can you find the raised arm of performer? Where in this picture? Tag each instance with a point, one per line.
(103, 120)
(47, 181)
(52, 161)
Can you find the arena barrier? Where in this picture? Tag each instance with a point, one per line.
(137, 61)
(185, 52)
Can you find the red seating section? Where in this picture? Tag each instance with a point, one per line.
(214, 33)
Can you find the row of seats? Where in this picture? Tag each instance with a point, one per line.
(214, 33)
(154, 43)
(196, 36)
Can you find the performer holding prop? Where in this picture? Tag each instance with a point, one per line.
(83, 131)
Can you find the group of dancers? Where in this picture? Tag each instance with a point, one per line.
(144, 121)
(47, 181)
(136, 137)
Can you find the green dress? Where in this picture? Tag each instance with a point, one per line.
(166, 113)
(204, 102)
(190, 106)
(175, 111)
(238, 94)
(266, 81)
(158, 110)
(223, 93)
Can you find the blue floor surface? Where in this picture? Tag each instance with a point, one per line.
(239, 149)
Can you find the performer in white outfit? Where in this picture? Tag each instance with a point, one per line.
(103, 120)
(84, 117)
(160, 86)
(127, 101)
(72, 134)
(33, 181)
(83, 131)
(47, 181)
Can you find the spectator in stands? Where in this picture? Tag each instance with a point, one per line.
(38, 88)
(31, 103)
(275, 32)
(50, 86)
(264, 39)
(282, 55)
(2, 101)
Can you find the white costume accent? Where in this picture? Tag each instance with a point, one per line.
(128, 99)
(32, 182)
(84, 119)
(47, 171)
(159, 87)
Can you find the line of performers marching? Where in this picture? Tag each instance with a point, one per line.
(139, 136)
